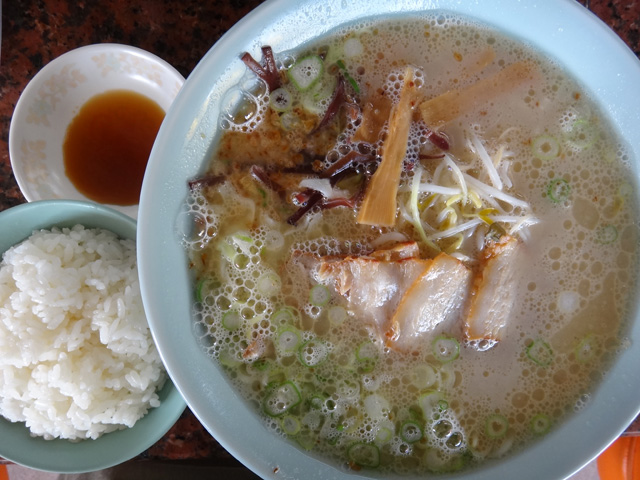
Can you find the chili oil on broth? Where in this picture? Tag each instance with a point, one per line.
(573, 287)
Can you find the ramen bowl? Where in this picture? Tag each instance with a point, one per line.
(562, 30)
(54, 97)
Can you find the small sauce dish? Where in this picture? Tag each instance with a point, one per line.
(55, 96)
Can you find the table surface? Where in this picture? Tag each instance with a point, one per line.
(35, 32)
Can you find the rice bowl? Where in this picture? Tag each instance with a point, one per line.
(71, 310)
(127, 341)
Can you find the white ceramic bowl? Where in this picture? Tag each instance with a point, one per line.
(16, 443)
(561, 28)
(53, 97)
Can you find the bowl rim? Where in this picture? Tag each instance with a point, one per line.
(35, 83)
(64, 456)
(262, 451)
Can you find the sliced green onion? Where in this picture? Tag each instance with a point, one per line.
(280, 100)
(348, 77)
(337, 315)
(285, 316)
(582, 135)
(276, 376)
(545, 147)
(269, 284)
(312, 420)
(586, 349)
(353, 47)
(288, 340)
(410, 431)
(433, 404)
(290, 121)
(540, 424)
(290, 425)
(540, 352)
(367, 355)
(439, 461)
(376, 406)
(263, 194)
(317, 401)
(273, 240)
(446, 349)
(625, 190)
(496, 426)
(319, 295)
(281, 399)
(306, 440)
(232, 320)
(364, 455)
(313, 352)
(227, 250)
(243, 240)
(260, 365)
(446, 377)
(423, 376)
(228, 359)
(459, 462)
(558, 190)
(237, 248)
(199, 287)
(317, 98)
(243, 237)
(478, 444)
(383, 435)
(606, 234)
(306, 72)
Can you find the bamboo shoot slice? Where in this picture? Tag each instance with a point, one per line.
(482, 61)
(444, 108)
(379, 204)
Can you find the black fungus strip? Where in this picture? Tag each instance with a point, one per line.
(337, 202)
(430, 157)
(337, 101)
(305, 195)
(262, 176)
(314, 200)
(206, 181)
(269, 73)
(439, 139)
(347, 162)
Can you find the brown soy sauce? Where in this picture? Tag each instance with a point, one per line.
(107, 145)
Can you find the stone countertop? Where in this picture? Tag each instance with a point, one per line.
(36, 31)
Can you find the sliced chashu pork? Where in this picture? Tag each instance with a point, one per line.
(437, 295)
(372, 286)
(494, 290)
(405, 297)
(398, 252)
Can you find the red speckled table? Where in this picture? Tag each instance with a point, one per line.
(36, 31)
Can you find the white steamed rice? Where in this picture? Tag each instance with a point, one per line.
(76, 356)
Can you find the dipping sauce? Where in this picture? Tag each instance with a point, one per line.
(108, 143)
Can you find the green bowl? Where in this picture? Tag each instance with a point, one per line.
(16, 443)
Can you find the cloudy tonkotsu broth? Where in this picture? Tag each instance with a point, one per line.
(483, 315)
